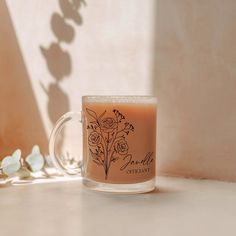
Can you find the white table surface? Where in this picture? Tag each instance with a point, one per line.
(180, 207)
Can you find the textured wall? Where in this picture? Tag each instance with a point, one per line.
(52, 53)
(195, 78)
(20, 121)
(183, 51)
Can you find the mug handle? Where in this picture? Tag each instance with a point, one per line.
(58, 161)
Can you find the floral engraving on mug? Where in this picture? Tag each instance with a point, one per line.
(107, 138)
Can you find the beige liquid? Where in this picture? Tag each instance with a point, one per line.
(119, 141)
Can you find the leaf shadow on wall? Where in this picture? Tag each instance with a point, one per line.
(58, 60)
(20, 122)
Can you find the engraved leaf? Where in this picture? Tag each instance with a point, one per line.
(92, 113)
(95, 157)
(97, 162)
(114, 159)
(100, 117)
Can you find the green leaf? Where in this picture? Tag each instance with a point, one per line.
(49, 162)
(35, 161)
(17, 154)
(36, 149)
(23, 173)
(10, 164)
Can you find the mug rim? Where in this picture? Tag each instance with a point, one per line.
(120, 98)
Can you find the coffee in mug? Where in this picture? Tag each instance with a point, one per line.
(119, 143)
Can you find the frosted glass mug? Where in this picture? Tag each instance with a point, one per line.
(119, 143)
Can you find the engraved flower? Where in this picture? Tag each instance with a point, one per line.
(121, 146)
(94, 138)
(108, 124)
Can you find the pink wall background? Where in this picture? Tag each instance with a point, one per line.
(182, 51)
(195, 76)
(52, 53)
(20, 122)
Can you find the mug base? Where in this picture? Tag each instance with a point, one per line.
(142, 187)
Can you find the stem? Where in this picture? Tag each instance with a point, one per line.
(109, 164)
(121, 131)
(104, 150)
(109, 149)
(107, 156)
(114, 135)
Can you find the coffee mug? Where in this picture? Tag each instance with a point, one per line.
(119, 143)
